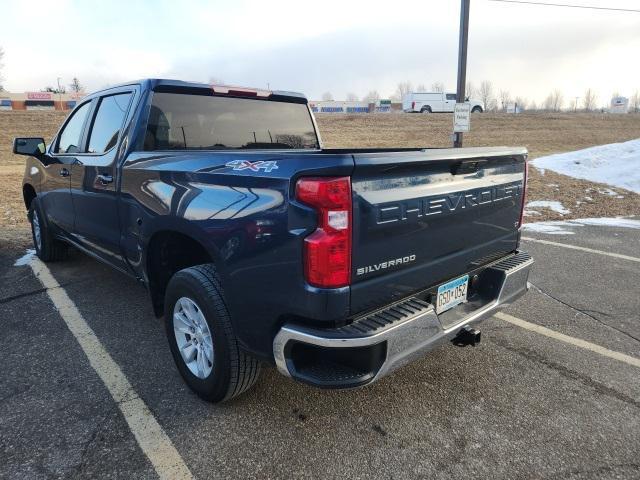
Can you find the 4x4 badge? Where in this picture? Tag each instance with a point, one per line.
(253, 166)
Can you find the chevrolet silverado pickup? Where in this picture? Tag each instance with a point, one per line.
(258, 246)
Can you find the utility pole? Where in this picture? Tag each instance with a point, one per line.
(59, 93)
(462, 61)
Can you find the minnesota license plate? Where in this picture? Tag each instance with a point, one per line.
(452, 293)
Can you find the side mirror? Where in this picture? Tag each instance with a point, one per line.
(31, 146)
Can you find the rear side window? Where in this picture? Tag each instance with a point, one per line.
(108, 121)
(180, 121)
(70, 136)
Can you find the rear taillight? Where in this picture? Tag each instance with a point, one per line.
(413, 105)
(524, 191)
(327, 251)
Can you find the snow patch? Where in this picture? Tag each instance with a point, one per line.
(609, 192)
(616, 164)
(550, 204)
(550, 228)
(561, 227)
(621, 222)
(25, 259)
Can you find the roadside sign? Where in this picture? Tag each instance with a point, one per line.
(462, 117)
(39, 96)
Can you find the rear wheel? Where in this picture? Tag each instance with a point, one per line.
(426, 109)
(201, 337)
(48, 248)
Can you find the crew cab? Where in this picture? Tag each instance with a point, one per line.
(434, 102)
(259, 246)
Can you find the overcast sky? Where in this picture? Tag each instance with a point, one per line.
(329, 45)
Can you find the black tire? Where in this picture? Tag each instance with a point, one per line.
(476, 110)
(232, 370)
(426, 109)
(48, 248)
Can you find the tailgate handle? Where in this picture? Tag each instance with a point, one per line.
(467, 166)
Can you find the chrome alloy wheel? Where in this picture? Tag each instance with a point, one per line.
(37, 233)
(193, 337)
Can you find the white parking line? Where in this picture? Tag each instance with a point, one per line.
(567, 339)
(153, 441)
(583, 249)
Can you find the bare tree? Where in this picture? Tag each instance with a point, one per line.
(573, 104)
(403, 88)
(470, 90)
(505, 99)
(522, 103)
(533, 106)
(372, 97)
(1, 65)
(558, 100)
(589, 100)
(437, 87)
(76, 86)
(486, 95)
(216, 81)
(421, 87)
(554, 101)
(352, 97)
(635, 102)
(54, 89)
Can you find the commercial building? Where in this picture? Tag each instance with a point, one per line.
(38, 100)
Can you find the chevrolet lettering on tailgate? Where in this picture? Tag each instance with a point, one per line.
(447, 204)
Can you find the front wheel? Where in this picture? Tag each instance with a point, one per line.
(201, 337)
(476, 110)
(48, 248)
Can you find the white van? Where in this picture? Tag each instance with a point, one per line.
(435, 102)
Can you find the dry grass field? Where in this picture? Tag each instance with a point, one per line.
(542, 134)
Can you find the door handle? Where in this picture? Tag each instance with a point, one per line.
(64, 172)
(105, 179)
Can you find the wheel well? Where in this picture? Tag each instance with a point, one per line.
(167, 253)
(28, 194)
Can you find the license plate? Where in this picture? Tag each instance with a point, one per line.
(452, 293)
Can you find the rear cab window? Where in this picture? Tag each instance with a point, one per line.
(188, 121)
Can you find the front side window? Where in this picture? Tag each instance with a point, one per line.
(70, 136)
(108, 121)
(180, 121)
(451, 96)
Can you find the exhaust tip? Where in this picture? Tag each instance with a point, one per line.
(467, 336)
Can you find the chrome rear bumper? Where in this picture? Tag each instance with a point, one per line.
(376, 344)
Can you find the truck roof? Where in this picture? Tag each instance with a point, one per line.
(152, 83)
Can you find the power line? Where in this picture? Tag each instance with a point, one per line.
(587, 7)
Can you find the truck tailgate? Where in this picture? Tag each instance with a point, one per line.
(423, 217)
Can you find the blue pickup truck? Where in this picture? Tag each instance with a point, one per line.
(259, 246)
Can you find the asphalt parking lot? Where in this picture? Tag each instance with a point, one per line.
(520, 405)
